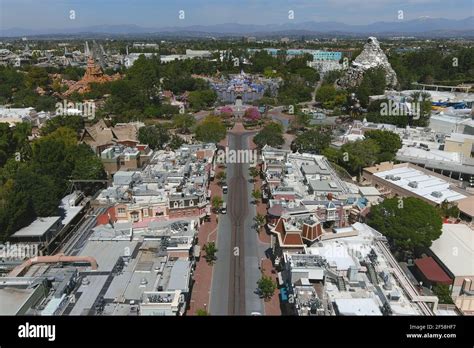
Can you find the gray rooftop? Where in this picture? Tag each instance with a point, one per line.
(13, 299)
(38, 227)
(179, 277)
(325, 186)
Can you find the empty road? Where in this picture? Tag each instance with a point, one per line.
(236, 270)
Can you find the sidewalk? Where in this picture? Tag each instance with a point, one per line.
(203, 272)
(272, 305)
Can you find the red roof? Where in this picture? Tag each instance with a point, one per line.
(287, 197)
(106, 217)
(432, 271)
(276, 210)
(292, 239)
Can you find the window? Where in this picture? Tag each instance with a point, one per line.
(121, 210)
(176, 204)
(145, 212)
(135, 217)
(191, 203)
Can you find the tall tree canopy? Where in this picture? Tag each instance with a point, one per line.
(408, 223)
(211, 130)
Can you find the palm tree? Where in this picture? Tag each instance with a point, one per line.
(260, 221)
(221, 176)
(254, 172)
(216, 202)
(210, 250)
(266, 287)
(256, 194)
(202, 312)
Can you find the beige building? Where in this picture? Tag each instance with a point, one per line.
(119, 157)
(100, 136)
(408, 180)
(463, 143)
(454, 251)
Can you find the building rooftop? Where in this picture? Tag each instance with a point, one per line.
(13, 299)
(369, 191)
(179, 277)
(429, 187)
(455, 249)
(432, 271)
(357, 306)
(38, 227)
(466, 205)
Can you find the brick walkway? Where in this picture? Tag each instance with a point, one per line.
(272, 305)
(203, 272)
(208, 233)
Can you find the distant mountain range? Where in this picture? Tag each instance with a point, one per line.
(425, 27)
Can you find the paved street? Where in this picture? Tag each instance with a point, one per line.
(237, 268)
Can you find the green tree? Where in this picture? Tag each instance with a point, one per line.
(408, 223)
(271, 134)
(176, 142)
(256, 195)
(301, 120)
(333, 155)
(154, 136)
(184, 122)
(210, 250)
(87, 166)
(144, 76)
(266, 286)
(202, 99)
(211, 130)
(74, 122)
(201, 312)
(359, 154)
(388, 142)
(43, 191)
(448, 209)
(16, 212)
(260, 220)
(217, 202)
(313, 141)
(253, 172)
(332, 76)
(443, 293)
(221, 176)
(423, 102)
(326, 93)
(373, 83)
(37, 77)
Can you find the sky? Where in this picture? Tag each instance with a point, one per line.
(44, 14)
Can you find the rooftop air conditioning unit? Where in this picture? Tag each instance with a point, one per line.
(413, 184)
(437, 194)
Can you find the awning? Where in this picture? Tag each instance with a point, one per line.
(432, 271)
(197, 251)
(280, 279)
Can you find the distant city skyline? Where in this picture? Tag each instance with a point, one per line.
(47, 14)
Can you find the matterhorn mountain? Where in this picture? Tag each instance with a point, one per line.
(371, 56)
